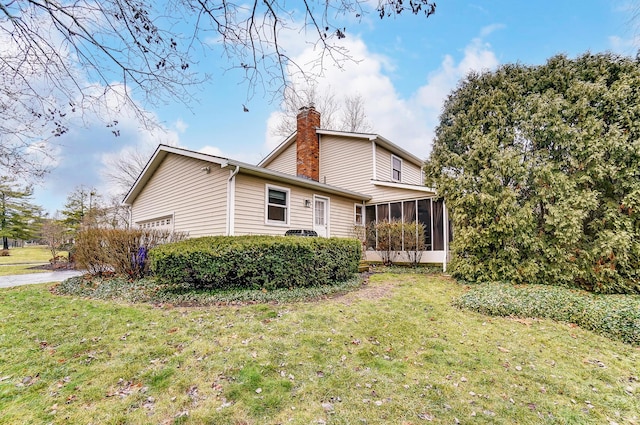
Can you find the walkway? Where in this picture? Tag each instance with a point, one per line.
(31, 278)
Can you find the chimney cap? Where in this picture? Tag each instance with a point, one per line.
(311, 106)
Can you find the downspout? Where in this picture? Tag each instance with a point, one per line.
(231, 200)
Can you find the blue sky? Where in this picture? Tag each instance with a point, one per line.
(407, 66)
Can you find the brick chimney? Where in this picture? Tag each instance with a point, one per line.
(307, 144)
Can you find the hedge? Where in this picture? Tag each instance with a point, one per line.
(256, 262)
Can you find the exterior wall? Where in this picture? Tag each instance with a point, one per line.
(411, 173)
(342, 217)
(196, 201)
(250, 209)
(346, 163)
(285, 162)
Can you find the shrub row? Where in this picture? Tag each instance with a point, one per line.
(614, 316)
(256, 262)
(119, 251)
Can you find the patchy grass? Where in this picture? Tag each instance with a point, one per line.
(22, 260)
(395, 351)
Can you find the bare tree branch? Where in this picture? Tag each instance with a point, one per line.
(62, 58)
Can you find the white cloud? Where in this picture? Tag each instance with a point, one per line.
(81, 155)
(408, 122)
(180, 125)
(625, 46)
(489, 29)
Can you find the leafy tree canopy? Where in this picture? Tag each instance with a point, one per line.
(539, 166)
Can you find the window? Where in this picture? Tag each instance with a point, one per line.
(359, 215)
(161, 222)
(277, 205)
(396, 211)
(396, 168)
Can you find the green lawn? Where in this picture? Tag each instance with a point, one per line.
(21, 260)
(393, 352)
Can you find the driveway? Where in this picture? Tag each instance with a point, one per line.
(28, 279)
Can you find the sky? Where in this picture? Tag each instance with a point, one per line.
(406, 66)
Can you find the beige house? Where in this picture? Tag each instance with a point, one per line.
(321, 180)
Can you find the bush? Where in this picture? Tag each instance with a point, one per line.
(614, 316)
(256, 262)
(119, 251)
(391, 238)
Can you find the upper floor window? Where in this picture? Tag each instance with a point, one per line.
(396, 168)
(277, 205)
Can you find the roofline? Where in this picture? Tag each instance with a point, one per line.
(274, 153)
(368, 136)
(163, 150)
(298, 181)
(403, 186)
(378, 139)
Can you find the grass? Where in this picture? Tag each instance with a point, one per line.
(21, 260)
(394, 352)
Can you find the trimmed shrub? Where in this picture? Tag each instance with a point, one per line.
(614, 316)
(119, 251)
(256, 262)
(391, 238)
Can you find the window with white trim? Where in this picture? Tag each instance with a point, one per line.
(396, 168)
(277, 200)
(359, 214)
(162, 222)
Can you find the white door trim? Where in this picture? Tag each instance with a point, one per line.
(322, 230)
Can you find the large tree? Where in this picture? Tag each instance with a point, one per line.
(18, 216)
(539, 166)
(61, 58)
(83, 208)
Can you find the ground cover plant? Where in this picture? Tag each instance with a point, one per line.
(395, 351)
(615, 316)
(26, 260)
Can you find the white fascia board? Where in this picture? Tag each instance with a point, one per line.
(403, 186)
(161, 152)
(278, 150)
(380, 140)
(297, 181)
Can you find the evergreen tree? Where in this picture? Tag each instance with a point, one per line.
(82, 208)
(18, 217)
(540, 168)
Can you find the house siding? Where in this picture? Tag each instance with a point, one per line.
(411, 173)
(346, 163)
(285, 162)
(197, 201)
(250, 209)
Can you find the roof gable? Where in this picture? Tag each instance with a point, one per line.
(392, 147)
(163, 150)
